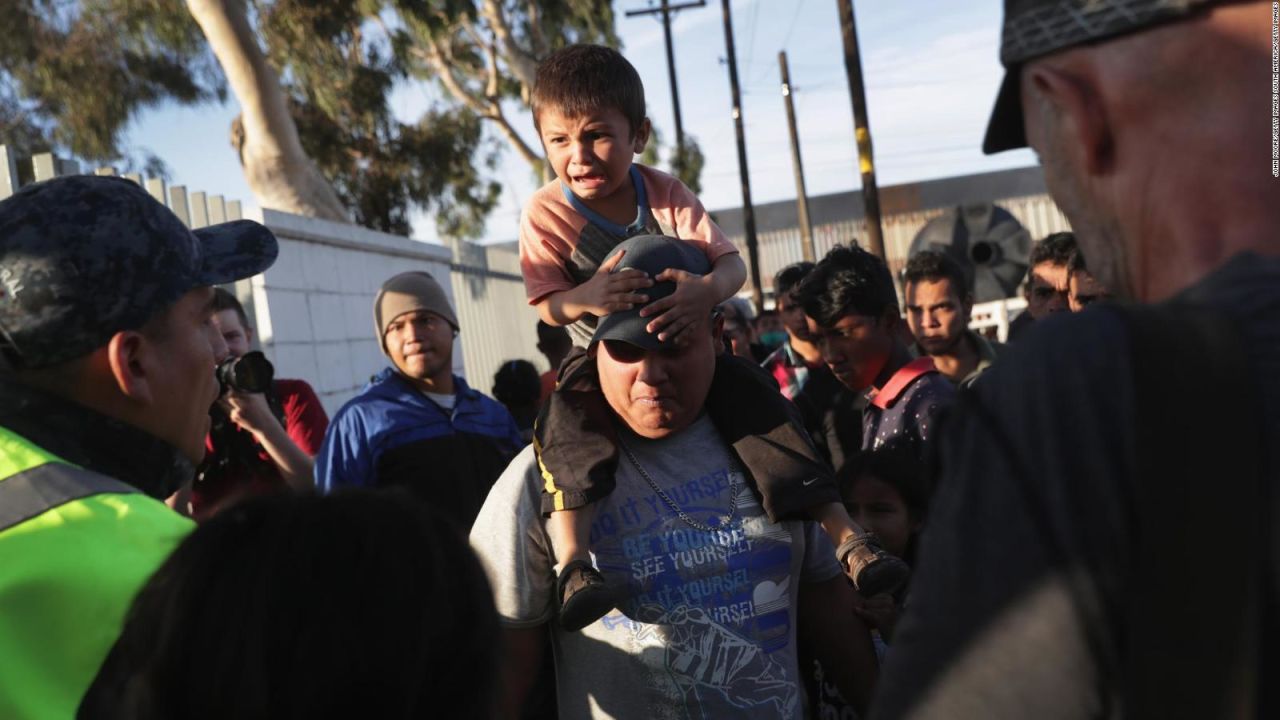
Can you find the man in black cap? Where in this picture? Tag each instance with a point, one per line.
(709, 591)
(1097, 548)
(107, 358)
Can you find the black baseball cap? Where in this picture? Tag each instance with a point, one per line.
(651, 254)
(84, 257)
(1034, 28)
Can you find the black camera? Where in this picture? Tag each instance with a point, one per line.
(250, 373)
(236, 453)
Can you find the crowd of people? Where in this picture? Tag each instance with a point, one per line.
(851, 504)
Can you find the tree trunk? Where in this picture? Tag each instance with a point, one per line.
(489, 108)
(277, 169)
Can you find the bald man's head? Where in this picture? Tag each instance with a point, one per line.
(1145, 140)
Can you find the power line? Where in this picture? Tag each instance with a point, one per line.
(665, 10)
(764, 72)
(794, 18)
(751, 39)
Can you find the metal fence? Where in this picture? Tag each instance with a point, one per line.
(196, 209)
(498, 324)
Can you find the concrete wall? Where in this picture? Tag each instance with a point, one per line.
(313, 308)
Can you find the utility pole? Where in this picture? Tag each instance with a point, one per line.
(862, 128)
(748, 212)
(666, 10)
(802, 197)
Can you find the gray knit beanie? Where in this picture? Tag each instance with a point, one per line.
(406, 292)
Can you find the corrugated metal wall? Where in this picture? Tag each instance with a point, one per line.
(497, 323)
(780, 248)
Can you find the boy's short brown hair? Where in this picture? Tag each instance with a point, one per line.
(582, 79)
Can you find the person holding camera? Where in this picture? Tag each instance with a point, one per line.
(263, 432)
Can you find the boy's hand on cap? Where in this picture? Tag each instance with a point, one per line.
(678, 313)
(609, 292)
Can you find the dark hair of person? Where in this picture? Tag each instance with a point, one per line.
(583, 79)
(517, 384)
(359, 604)
(898, 465)
(932, 266)
(223, 300)
(553, 337)
(788, 277)
(848, 281)
(1055, 249)
(1076, 262)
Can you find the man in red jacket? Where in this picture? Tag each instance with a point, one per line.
(259, 442)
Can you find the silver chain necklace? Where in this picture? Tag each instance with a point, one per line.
(733, 495)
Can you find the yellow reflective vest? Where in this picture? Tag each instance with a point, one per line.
(75, 547)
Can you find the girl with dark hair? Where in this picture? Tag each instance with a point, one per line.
(886, 492)
(358, 604)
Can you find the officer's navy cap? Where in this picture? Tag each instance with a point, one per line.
(84, 257)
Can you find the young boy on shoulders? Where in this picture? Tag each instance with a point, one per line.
(588, 108)
(589, 111)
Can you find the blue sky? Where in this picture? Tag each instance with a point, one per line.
(931, 70)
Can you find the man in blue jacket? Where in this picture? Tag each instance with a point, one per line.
(417, 425)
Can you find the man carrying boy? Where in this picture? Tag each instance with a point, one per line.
(588, 107)
(713, 597)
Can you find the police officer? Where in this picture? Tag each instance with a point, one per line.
(107, 355)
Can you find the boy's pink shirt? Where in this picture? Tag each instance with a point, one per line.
(550, 228)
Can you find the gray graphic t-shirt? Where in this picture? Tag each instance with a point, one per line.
(707, 629)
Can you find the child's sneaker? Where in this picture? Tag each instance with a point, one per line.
(872, 570)
(584, 596)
